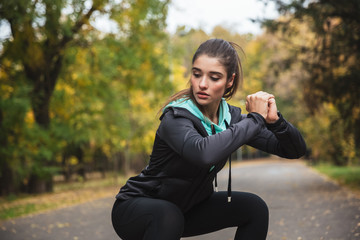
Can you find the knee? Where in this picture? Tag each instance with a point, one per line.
(251, 204)
(260, 208)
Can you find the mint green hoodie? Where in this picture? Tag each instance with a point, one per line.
(224, 114)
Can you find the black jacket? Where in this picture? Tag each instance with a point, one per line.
(185, 159)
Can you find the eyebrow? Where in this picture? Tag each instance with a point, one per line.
(212, 72)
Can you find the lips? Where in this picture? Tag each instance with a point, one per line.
(202, 95)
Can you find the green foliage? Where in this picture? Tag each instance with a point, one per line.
(16, 211)
(346, 175)
(70, 93)
(323, 44)
(33, 56)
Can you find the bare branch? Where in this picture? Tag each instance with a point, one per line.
(77, 26)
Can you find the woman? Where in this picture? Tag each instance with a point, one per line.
(173, 196)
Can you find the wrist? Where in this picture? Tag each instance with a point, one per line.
(277, 123)
(257, 116)
(272, 121)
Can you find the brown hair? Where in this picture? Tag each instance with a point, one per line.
(227, 55)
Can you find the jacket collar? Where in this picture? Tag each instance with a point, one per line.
(182, 112)
(235, 114)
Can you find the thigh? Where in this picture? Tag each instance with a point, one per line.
(217, 213)
(147, 218)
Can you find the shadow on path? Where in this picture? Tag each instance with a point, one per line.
(303, 206)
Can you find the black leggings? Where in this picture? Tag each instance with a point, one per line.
(149, 219)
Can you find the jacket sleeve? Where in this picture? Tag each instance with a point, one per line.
(280, 138)
(180, 134)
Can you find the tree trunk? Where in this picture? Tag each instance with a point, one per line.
(357, 139)
(44, 84)
(127, 159)
(65, 169)
(6, 179)
(6, 174)
(79, 154)
(40, 184)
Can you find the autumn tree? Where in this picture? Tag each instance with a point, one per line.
(40, 34)
(46, 37)
(331, 62)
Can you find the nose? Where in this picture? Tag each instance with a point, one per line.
(203, 84)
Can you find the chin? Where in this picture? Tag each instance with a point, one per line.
(202, 101)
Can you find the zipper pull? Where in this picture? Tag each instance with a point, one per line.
(213, 131)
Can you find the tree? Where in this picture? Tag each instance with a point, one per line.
(40, 35)
(43, 34)
(331, 62)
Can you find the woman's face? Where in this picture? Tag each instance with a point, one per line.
(208, 81)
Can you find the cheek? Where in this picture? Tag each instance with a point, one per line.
(193, 88)
(192, 82)
(219, 88)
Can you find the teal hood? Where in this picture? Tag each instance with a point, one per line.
(224, 114)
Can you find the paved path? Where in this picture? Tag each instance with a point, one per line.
(303, 206)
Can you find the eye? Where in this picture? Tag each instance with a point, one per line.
(197, 75)
(214, 78)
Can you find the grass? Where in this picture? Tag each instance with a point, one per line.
(344, 175)
(65, 194)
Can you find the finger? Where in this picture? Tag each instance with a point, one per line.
(268, 95)
(272, 100)
(263, 95)
(272, 106)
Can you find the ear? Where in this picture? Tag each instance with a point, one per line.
(231, 82)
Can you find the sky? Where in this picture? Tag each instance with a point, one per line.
(235, 15)
(206, 14)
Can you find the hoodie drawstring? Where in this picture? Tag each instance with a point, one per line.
(229, 180)
(213, 131)
(216, 187)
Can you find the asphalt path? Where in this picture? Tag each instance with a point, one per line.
(303, 206)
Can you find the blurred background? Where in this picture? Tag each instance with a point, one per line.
(82, 82)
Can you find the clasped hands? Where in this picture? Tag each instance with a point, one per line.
(264, 104)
